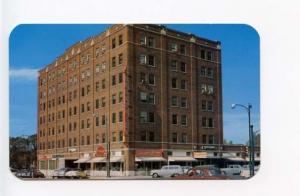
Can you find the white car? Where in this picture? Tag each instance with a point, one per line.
(232, 170)
(167, 171)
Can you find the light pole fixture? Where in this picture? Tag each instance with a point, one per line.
(251, 143)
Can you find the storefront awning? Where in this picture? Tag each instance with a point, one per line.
(236, 159)
(149, 159)
(97, 160)
(187, 159)
(82, 160)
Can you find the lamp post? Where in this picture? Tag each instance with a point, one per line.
(251, 143)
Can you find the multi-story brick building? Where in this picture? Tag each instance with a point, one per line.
(153, 92)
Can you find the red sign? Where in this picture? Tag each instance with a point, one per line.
(100, 151)
(148, 153)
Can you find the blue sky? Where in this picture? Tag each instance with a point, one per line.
(34, 46)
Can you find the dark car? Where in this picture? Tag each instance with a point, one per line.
(205, 172)
(29, 173)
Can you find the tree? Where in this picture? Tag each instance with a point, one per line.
(22, 151)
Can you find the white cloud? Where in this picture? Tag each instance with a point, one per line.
(25, 74)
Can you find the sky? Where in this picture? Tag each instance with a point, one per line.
(32, 47)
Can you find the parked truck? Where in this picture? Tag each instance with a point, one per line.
(232, 170)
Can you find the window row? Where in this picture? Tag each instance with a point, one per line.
(179, 137)
(175, 84)
(207, 89)
(179, 101)
(147, 78)
(147, 60)
(114, 41)
(183, 119)
(208, 139)
(176, 66)
(114, 60)
(147, 97)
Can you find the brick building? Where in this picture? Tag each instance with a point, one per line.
(153, 92)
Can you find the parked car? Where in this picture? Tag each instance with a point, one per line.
(186, 168)
(29, 173)
(167, 171)
(203, 172)
(76, 173)
(232, 170)
(60, 173)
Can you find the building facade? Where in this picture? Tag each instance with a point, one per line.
(154, 93)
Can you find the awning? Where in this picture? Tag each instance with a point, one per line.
(173, 158)
(82, 160)
(149, 159)
(97, 160)
(236, 159)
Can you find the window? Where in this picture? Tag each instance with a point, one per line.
(82, 108)
(120, 39)
(151, 98)
(143, 97)
(151, 60)
(82, 124)
(210, 123)
(173, 65)
(151, 136)
(97, 86)
(120, 116)
(210, 89)
(183, 67)
(183, 84)
(113, 99)
(120, 77)
(120, 136)
(183, 102)
(209, 55)
(97, 70)
(74, 126)
(174, 83)
(113, 82)
(173, 47)
(174, 137)
(74, 141)
(184, 120)
(103, 102)
(113, 61)
(174, 101)
(82, 91)
(120, 97)
(142, 77)
(143, 59)
(74, 94)
(103, 138)
(97, 103)
(143, 40)
(103, 119)
(88, 89)
(174, 119)
(97, 139)
(209, 106)
(97, 121)
(143, 136)
(209, 72)
(88, 140)
(113, 43)
(151, 117)
(182, 49)
(183, 138)
(70, 111)
(211, 139)
(151, 79)
(143, 117)
(151, 41)
(70, 126)
(202, 54)
(88, 106)
(120, 59)
(103, 84)
(113, 117)
(88, 124)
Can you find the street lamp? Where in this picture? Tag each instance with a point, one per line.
(251, 142)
